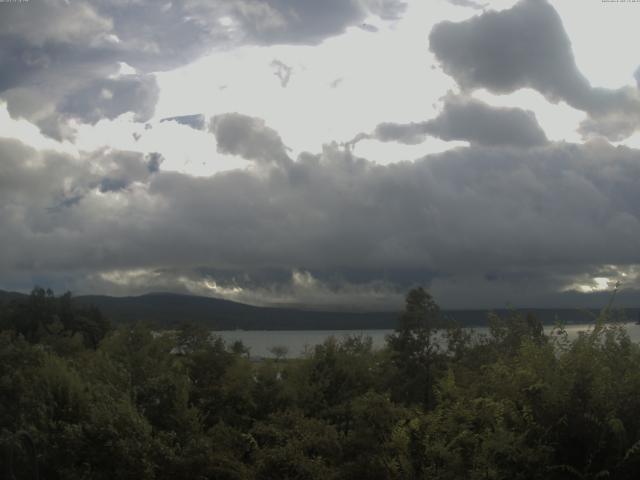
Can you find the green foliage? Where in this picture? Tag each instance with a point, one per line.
(335, 373)
(293, 446)
(415, 349)
(79, 401)
(45, 318)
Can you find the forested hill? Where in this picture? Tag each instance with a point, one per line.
(8, 296)
(167, 309)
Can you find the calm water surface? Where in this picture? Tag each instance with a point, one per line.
(296, 341)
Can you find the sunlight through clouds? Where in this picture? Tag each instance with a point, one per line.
(332, 152)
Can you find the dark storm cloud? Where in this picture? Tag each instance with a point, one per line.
(44, 197)
(487, 224)
(55, 54)
(248, 137)
(471, 120)
(527, 46)
(196, 121)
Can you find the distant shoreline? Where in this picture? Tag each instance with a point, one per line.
(169, 310)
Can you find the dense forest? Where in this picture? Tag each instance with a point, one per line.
(82, 400)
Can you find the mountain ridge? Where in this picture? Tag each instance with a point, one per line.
(166, 309)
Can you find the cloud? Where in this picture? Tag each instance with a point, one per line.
(512, 217)
(468, 3)
(248, 137)
(304, 21)
(471, 120)
(527, 47)
(109, 98)
(293, 288)
(53, 52)
(496, 223)
(59, 57)
(387, 9)
(41, 188)
(195, 121)
(54, 21)
(282, 71)
(336, 83)
(368, 27)
(154, 161)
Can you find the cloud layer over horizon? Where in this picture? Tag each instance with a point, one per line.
(498, 213)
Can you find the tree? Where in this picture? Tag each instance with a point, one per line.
(294, 446)
(279, 352)
(43, 315)
(509, 333)
(414, 348)
(34, 317)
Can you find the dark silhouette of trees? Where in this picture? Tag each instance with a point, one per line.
(78, 401)
(415, 349)
(43, 314)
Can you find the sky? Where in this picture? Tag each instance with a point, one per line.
(327, 154)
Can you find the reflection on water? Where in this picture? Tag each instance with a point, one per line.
(296, 341)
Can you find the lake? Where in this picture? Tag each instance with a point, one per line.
(260, 342)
